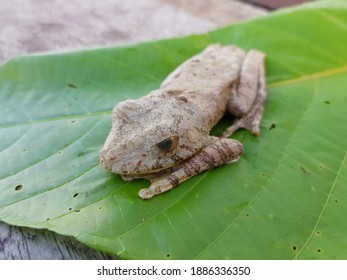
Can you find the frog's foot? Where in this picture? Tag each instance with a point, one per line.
(251, 120)
(248, 95)
(220, 152)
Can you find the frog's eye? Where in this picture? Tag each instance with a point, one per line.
(168, 144)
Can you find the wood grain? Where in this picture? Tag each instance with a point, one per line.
(44, 26)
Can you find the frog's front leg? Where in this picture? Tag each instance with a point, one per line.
(219, 152)
(248, 95)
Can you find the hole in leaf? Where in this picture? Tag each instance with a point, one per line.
(18, 187)
(76, 194)
(272, 126)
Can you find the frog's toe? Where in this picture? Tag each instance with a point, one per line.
(146, 193)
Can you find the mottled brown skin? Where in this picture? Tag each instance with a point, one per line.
(164, 136)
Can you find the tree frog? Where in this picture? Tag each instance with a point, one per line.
(164, 136)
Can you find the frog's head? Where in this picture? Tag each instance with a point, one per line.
(146, 138)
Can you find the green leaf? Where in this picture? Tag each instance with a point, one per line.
(284, 199)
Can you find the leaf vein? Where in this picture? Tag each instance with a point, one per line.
(323, 208)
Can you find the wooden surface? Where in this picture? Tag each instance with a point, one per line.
(41, 25)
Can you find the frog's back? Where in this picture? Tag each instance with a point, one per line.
(205, 80)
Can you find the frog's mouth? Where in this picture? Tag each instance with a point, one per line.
(138, 168)
(144, 171)
(151, 176)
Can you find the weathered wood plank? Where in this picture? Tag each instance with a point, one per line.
(37, 26)
(40, 26)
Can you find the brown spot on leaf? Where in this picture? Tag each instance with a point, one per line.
(72, 86)
(306, 171)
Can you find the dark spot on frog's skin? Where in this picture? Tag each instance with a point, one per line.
(176, 158)
(18, 187)
(168, 255)
(173, 180)
(272, 126)
(138, 164)
(70, 209)
(294, 248)
(72, 86)
(327, 102)
(319, 250)
(181, 98)
(172, 92)
(112, 158)
(76, 194)
(157, 164)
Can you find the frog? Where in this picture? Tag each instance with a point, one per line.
(164, 136)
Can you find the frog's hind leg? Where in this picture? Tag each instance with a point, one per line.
(248, 95)
(219, 152)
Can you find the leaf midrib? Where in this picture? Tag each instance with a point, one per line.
(313, 76)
